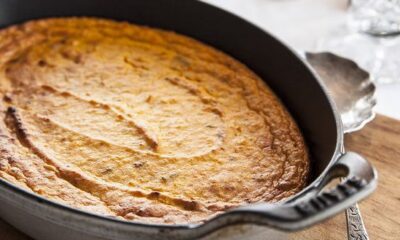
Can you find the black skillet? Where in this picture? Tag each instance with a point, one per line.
(289, 76)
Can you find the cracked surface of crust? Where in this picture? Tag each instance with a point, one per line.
(139, 123)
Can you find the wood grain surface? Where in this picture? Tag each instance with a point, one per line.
(379, 142)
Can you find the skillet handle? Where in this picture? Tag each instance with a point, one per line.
(360, 181)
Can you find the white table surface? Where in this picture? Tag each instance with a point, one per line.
(300, 23)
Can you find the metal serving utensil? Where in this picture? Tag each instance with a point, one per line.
(350, 87)
(354, 94)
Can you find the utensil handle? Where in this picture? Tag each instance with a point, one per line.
(355, 225)
(361, 180)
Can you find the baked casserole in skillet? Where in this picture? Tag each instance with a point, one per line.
(139, 123)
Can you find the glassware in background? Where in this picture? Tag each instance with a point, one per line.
(371, 38)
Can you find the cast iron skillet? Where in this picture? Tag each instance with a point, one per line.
(292, 80)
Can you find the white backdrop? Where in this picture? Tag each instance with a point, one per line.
(300, 23)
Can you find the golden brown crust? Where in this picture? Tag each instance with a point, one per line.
(139, 123)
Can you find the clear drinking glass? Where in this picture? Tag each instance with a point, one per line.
(371, 38)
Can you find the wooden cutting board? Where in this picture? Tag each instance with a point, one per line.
(379, 142)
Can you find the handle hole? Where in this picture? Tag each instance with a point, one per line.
(334, 176)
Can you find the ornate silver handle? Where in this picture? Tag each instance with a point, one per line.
(355, 225)
(361, 180)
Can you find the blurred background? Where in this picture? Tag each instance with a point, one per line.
(365, 31)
